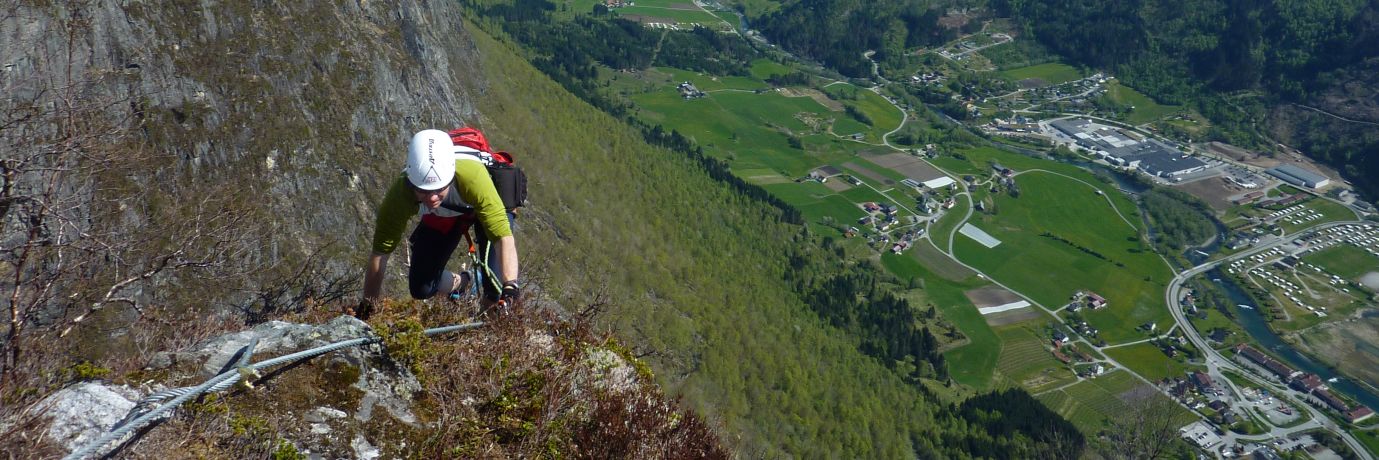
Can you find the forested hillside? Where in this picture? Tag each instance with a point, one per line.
(1246, 64)
(838, 32)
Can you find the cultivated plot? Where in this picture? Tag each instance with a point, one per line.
(1092, 404)
(910, 166)
(1027, 360)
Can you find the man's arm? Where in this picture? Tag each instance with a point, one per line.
(507, 256)
(373, 276)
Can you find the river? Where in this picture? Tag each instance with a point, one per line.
(1258, 328)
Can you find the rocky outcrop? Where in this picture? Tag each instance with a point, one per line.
(295, 114)
(361, 402)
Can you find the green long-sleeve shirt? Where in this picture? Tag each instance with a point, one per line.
(475, 189)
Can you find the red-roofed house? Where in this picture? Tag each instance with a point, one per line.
(1360, 413)
(1096, 301)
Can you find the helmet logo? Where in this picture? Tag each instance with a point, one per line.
(431, 175)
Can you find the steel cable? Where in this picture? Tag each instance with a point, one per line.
(222, 381)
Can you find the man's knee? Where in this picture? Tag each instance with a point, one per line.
(422, 290)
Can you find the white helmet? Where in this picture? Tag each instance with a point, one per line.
(431, 160)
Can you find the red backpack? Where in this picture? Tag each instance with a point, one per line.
(509, 179)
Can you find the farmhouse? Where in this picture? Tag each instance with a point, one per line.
(688, 91)
(1298, 176)
(823, 173)
(1096, 301)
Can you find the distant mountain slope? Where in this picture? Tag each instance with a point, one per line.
(1315, 53)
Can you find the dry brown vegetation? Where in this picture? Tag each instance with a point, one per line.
(525, 385)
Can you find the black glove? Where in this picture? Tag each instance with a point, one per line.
(364, 310)
(512, 292)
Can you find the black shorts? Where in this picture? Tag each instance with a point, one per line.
(432, 249)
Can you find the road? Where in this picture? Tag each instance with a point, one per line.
(1216, 362)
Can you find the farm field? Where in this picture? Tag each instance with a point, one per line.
(1051, 73)
(749, 130)
(971, 364)
(1026, 359)
(957, 166)
(1091, 404)
(884, 116)
(762, 69)
(980, 159)
(1147, 360)
(1145, 109)
(670, 11)
(1057, 242)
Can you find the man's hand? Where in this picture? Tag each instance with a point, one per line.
(512, 292)
(364, 309)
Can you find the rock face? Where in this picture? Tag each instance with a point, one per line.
(84, 412)
(296, 112)
(274, 338)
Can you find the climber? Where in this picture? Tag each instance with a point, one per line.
(451, 192)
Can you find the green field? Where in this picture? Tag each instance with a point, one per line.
(1027, 360)
(884, 116)
(1092, 403)
(750, 130)
(709, 83)
(1033, 260)
(1215, 320)
(1145, 109)
(1370, 438)
(763, 68)
(1052, 73)
(680, 11)
(847, 126)
(971, 364)
(959, 166)
(1345, 260)
(1148, 361)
